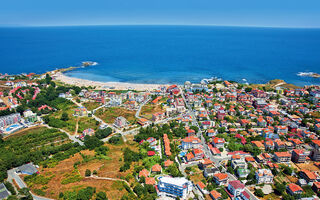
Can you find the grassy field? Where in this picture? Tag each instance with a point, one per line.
(110, 114)
(149, 109)
(197, 175)
(87, 122)
(64, 177)
(91, 105)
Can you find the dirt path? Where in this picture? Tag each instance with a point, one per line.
(77, 126)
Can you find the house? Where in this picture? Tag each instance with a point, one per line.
(4, 193)
(120, 122)
(207, 172)
(144, 173)
(143, 122)
(294, 189)
(166, 142)
(156, 168)
(239, 163)
(207, 124)
(316, 187)
(264, 176)
(191, 142)
(206, 162)
(215, 195)
(299, 155)
(196, 154)
(27, 169)
(315, 153)
(81, 111)
(258, 144)
(220, 178)
(211, 132)
(269, 145)
(221, 113)
(309, 176)
(235, 188)
(242, 172)
(151, 153)
(282, 157)
(174, 187)
(29, 116)
(279, 144)
(218, 142)
(88, 131)
(201, 186)
(261, 122)
(150, 181)
(167, 163)
(158, 116)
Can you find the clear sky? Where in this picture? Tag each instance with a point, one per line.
(277, 13)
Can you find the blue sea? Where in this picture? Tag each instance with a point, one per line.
(164, 54)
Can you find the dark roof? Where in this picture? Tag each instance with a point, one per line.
(3, 191)
(27, 169)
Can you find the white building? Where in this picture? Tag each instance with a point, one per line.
(264, 176)
(174, 187)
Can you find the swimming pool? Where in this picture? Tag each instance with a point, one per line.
(12, 127)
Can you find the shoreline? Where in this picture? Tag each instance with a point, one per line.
(58, 75)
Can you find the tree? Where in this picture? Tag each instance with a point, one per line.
(259, 193)
(48, 79)
(279, 188)
(10, 187)
(64, 116)
(25, 194)
(101, 196)
(88, 172)
(92, 142)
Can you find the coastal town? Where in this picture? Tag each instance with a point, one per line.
(216, 139)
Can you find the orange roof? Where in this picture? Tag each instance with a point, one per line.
(201, 185)
(257, 143)
(294, 187)
(144, 173)
(191, 139)
(207, 161)
(317, 184)
(221, 176)
(217, 140)
(249, 159)
(197, 151)
(317, 142)
(156, 168)
(150, 181)
(167, 163)
(190, 156)
(236, 157)
(282, 154)
(215, 194)
(309, 174)
(143, 120)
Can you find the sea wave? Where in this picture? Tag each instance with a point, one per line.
(305, 73)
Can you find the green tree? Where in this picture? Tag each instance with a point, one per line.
(88, 172)
(64, 116)
(101, 196)
(259, 193)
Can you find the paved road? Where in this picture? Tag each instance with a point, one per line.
(12, 175)
(140, 107)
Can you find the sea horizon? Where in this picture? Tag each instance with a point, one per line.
(164, 54)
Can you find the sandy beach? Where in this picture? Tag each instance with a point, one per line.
(59, 76)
